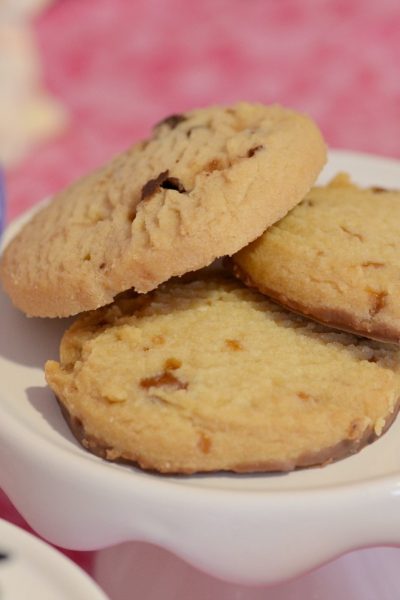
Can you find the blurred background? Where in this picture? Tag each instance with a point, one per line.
(81, 80)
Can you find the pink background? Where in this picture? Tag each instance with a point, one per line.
(118, 66)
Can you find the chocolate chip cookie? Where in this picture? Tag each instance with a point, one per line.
(203, 185)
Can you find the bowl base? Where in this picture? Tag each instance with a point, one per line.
(141, 570)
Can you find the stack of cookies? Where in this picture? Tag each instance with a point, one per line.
(181, 363)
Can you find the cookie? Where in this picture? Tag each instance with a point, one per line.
(209, 375)
(204, 185)
(335, 258)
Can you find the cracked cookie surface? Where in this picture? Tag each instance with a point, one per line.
(210, 375)
(335, 258)
(203, 185)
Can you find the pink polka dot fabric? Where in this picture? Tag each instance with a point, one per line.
(121, 65)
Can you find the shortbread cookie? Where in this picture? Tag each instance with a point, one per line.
(210, 375)
(204, 185)
(334, 258)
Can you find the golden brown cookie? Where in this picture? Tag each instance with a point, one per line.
(334, 258)
(210, 375)
(204, 185)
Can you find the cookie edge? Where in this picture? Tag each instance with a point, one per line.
(337, 319)
(343, 449)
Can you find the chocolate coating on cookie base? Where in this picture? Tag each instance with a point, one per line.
(323, 457)
(338, 319)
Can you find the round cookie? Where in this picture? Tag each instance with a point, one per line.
(204, 185)
(210, 375)
(334, 258)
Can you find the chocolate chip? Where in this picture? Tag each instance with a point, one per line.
(4, 556)
(172, 121)
(189, 131)
(173, 183)
(161, 181)
(153, 184)
(378, 190)
(252, 151)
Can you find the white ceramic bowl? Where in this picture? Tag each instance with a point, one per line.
(30, 569)
(242, 528)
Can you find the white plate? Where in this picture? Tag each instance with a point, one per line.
(30, 569)
(254, 529)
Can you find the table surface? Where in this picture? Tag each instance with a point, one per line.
(119, 66)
